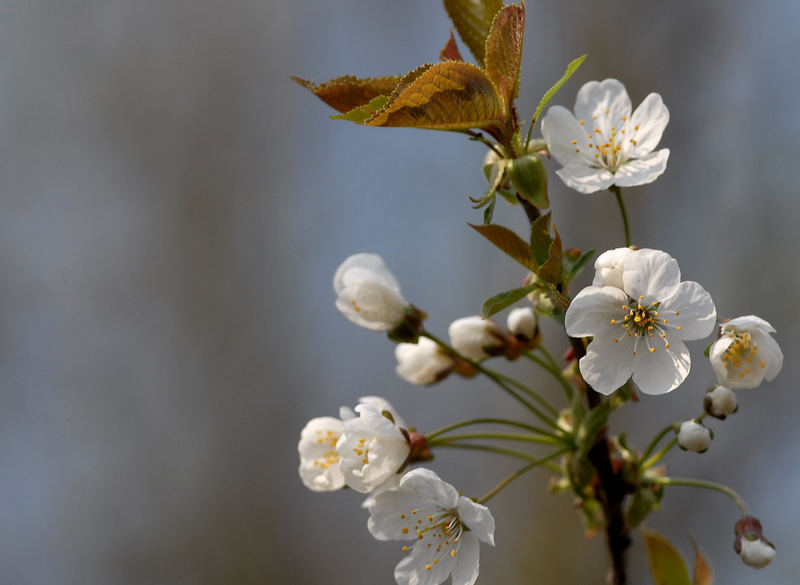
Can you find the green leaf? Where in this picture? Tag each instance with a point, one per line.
(667, 567)
(452, 95)
(546, 249)
(347, 93)
(703, 575)
(571, 68)
(643, 502)
(500, 301)
(364, 112)
(504, 51)
(473, 20)
(508, 242)
(573, 267)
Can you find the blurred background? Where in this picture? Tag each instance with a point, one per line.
(173, 210)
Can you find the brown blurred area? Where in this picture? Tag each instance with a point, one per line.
(173, 210)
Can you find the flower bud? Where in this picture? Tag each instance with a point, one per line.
(529, 178)
(693, 436)
(522, 323)
(475, 338)
(750, 544)
(367, 293)
(422, 363)
(720, 401)
(609, 266)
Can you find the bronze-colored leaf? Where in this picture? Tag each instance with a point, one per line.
(453, 95)
(504, 50)
(508, 242)
(347, 93)
(702, 570)
(473, 20)
(450, 51)
(364, 112)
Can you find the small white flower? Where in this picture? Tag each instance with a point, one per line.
(609, 266)
(422, 363)
(693, 436)
(638, 330)
(371, 449)
(605, 144)
(745, 353)
(444, 526)
(320, 466)
(367, 293)
(472, 336)
(522, 321)
(757, 553)
(720, 401)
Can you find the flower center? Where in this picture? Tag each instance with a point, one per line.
(642, 321)
(438, 530)
(740, 353)
(606, 145)
(328, 458)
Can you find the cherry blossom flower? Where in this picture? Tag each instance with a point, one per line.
(367, 293)
(372, 449)
(639, 329)
(603, 144)
(320, 461)
(694, 436)
(445, 527)
(473, 336)
(423, 362)
(745, 353)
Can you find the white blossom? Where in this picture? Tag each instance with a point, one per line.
(472, 336)
(445, 529)
(602, 143)
(320, 466)
(372, 449)
(757, 553)
(693, 436)
(639, 329)
(745, 353)
(422, 363)
(720, 401)
(367, 293)
(522, 321)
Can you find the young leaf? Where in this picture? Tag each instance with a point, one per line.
(541, 240)
(500, 301)
(364, 112)
(667, 567)
(347, 93)
(446, 96)
(504, 51)
(450, 51)
(571, 68)
(488, 213)
(508, 242)
(473, 20)
(573, 267)
(550, 271)
(702, 570)
(643, 502)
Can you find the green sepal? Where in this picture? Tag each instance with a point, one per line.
(707, 350)
(408, 329)
(500, 301)
(528, 175)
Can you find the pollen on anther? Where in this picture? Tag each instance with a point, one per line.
(427, 567)
(634, 353)
(574, 141)
(581, 122)
(613, 321)
(666, 345)
(679, 327)
(616, 340)
(652, 350)
(453, 553)
(405, 548)
(405, 531)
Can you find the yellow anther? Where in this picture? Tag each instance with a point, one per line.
(680, 328)
(613, 321)
(652, 350)
(638, 319)
(404, 531)
(762, 365)
(634, 353)
(581, 122)
(430, 518)
(427, 567)
(453, 553)
(405, 548)
(666, 345)
(616, 340)
(607, 110)
(574, 141)
(577, 150)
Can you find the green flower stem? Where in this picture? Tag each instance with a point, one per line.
(654, 443)
(659, 454)
(529, 391)
(495, 377)
(554, 371)
(525, 437)
(499, 450)
(489, 421)
(708, 485)
(500, 486)
(621, 202)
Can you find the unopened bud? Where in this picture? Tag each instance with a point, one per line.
(423, 362)
(529, 178)
(522, 323)
(750, 544)
(476, 338)
(693, 436)
(720, 401)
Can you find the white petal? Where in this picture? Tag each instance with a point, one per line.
(664, 369)
(640, 171)
(560, 128)
(364, 266)
(609, 267)
(390, 515)
(716, 353)
(320, 468)
(651, 273)
(696, 312)
(607, 364)
(470, 335)
(771, 353)
(592, 309)
(477, 518)
(584, 178)
(371, 304)
(595, 98)
(468, 561)
(651, 117)
(380, 404)
(421, 363)
(413, 569)
(749, 322)
(430, 488)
